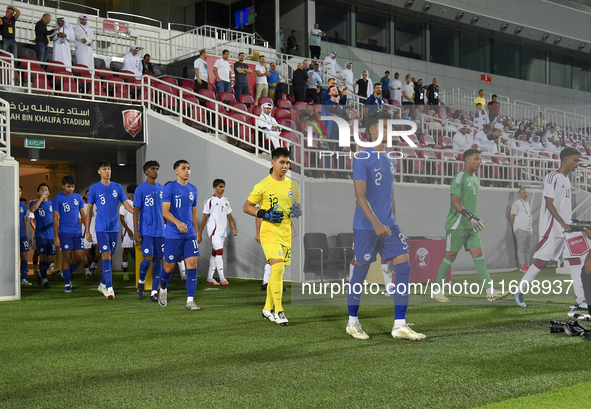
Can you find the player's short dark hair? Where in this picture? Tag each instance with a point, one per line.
(374, 119)
(41, 185)
(179, 163)
(279, 152)
(270, 170)
(216, 182)
(331, 79)
(22, 199)
(487, 126)
(103, 164)
(131, 189)
(376, 84)
(569, 151)
(68, 180)
(240, 54)
(494, 96)
(480, 90)
(146, 55)
(20, 187)
(387, 72)
(225, 51)
(149, 164)
(87, 191)
(470, 152)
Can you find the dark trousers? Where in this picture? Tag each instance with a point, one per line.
(300, 94)
(314, 52)
(312, 95)
(240, 89)
(386, 95)
(41, 51)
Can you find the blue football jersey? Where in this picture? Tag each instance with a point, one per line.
(106, 198)
(68, 207)
(23, 211)
(149, 200)
(44, 220)
(182, 200)
(377, 170)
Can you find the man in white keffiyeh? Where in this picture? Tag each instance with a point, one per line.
(84, 38)
(270, 125)
(62, 39)
(132, 61)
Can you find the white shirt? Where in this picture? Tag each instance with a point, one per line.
(523, 219)
(218, 210)
(128, 217)
(223, 67)
(133, 63)
(263, 70)
(409, 90)
(462, 142)
(480, 119)
(347, 76)
(395, 92)
(201, 66)
(557, 187)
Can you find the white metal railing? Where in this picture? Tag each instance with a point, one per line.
(5, 127)
(65, 5)
(222, 121)
(118, 13)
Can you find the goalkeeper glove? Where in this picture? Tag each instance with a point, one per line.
(272, 215)
(295, 211)
(476, 222)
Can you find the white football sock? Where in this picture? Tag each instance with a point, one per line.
(353, 320)
(189, 299)
(219, 262)
(211, 268)
(399, 323)
(267, 273)
(528, 277)
(182, 269)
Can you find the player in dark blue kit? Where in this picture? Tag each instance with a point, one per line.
(43, 211)
(148, 226)
(179, 208)
(375, 231)
(68, 208)
(106, 196)
(23, 240)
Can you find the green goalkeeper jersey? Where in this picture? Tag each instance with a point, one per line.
(466, 187)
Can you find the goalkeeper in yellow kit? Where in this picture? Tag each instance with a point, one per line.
(278, 198)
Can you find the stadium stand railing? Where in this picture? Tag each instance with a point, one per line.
(5, 127)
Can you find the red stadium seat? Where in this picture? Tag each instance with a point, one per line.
(239, 106)
(256, 110)
(227, 96)
(427, 140)
(284, 104)
(238, 127)
(207, 93)
(287, 123)
(247, 100)
(192, 110)
(170, 80)
(189, 83)
(445, 141)
(264, 100)
(395, 102)
(282, 113)
(301, 105)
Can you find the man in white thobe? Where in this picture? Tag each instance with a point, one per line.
(84, 39)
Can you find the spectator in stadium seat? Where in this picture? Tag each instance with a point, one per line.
(309, 114)
(498, 123)
(347, 76)
(396, 88)
(406, 114)
(520, 131)
(420, 115)
(314, 86)
(42, 35)
(262, 86)
(364, 86)
(84, 38)
(509, 123)
(8, 24)
(375, 102)
(240, 74)
(480, 117)
(273, 80)
(408, 92)
(343, 92)
(480, 99)
(535, 143)
(132, 61)
(433, 94)
(147, 67)
(419, 98)
(201, 71)
(221, 70)
(62, 38)
(546, 134)
(484, 143)
(293, 47)
(520, 218)
(316, 35)
(386, 86)
(493, 107)
(333, 107)
(300, 78)
(270, 126)
(463, 140)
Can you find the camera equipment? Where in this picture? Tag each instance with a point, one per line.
(571, 328)
(579, 225)
(575, 314)
(556, 327)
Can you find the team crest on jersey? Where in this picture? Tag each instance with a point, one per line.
(281, 253)
(76, 202)
(392, 168)
(146, 251)
(114, 193)
(105, 247)
(50, 208)
(191, 196)
(469, 183)
(22, 211)
(171, 257)
(66, 247)
(160, 194)
(367, 256)
(290, 194)
(41, 249)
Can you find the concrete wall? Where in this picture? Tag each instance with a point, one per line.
(9, 225)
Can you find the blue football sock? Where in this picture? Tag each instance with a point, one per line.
(103, 279)
(191, 282)
(156, 272)
(164, 279)
(73, 267)
(24, 269)
(66, 274)
(356, 289)
(401, 299)
(144, 267)
(107, 273)
(43, 269)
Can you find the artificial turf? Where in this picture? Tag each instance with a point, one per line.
(79, 350)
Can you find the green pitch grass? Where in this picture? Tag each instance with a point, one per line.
(79, 350)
